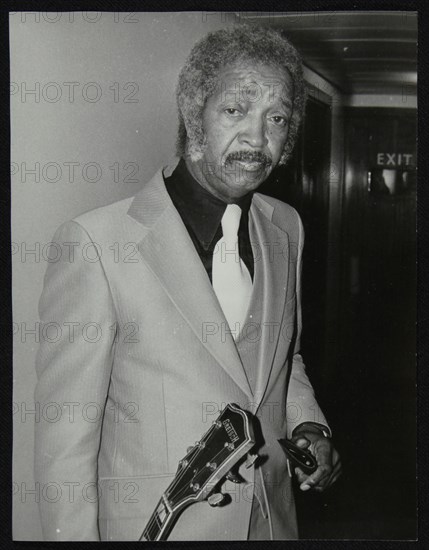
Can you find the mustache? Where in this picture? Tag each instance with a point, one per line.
(249, 156)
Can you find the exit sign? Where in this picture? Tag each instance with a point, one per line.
(394, 159)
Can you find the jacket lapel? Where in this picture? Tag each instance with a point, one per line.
(169, 252)
(273, 269)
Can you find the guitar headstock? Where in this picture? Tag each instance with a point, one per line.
(227, 440)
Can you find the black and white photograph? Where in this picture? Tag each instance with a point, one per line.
(213, 221)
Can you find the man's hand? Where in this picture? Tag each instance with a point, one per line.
(328, 460)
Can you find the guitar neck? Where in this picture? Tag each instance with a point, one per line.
(160, 522)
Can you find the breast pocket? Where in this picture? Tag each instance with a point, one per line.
(131, 497)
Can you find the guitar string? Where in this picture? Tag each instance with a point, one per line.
(153, 518)
(193, 459)
(154, 515)
(183, 489)
(151, 523)
(199, 450)
(205, 437)
(178, 479)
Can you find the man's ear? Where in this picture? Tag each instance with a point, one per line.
(195, 150)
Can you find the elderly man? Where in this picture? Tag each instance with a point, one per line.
(201, 309)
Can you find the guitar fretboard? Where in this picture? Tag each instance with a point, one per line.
(157, 520)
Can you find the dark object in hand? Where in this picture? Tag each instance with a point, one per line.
(298, 457)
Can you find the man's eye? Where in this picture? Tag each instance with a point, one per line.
(232, 111)
(279, 120)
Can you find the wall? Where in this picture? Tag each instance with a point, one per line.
(52, 128)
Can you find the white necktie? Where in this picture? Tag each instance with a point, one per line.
(231, 278)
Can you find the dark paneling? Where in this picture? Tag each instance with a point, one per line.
(377, 340)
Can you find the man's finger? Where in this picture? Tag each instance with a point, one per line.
(322, 451)
(317, 478)
(324, 484)
(335, 473)
(334, 478)
(301, 476)
(336, 469)
(301, 442)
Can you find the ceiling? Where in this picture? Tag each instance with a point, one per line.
(357, 52)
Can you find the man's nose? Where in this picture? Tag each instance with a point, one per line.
(254, 133)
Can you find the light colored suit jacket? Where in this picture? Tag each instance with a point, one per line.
(136, 357)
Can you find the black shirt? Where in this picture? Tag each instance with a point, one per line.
(202, 212)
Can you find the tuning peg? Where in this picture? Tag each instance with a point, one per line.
(216, 499)
(234, 477)
(250, 460)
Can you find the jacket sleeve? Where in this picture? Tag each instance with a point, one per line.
(73, 365)
(301, 401)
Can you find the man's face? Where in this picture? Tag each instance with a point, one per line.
(246, 123)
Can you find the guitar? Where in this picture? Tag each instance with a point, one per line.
(228, 439)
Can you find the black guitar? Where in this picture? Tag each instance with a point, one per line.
(228, 439)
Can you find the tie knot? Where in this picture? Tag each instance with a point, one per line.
(231, 221)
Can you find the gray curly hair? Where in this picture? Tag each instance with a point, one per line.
(199, 77)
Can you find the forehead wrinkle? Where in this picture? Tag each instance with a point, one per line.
(225, 94)
(232, 79)
(226, 82)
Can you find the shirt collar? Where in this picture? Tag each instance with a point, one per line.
(199, 209)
